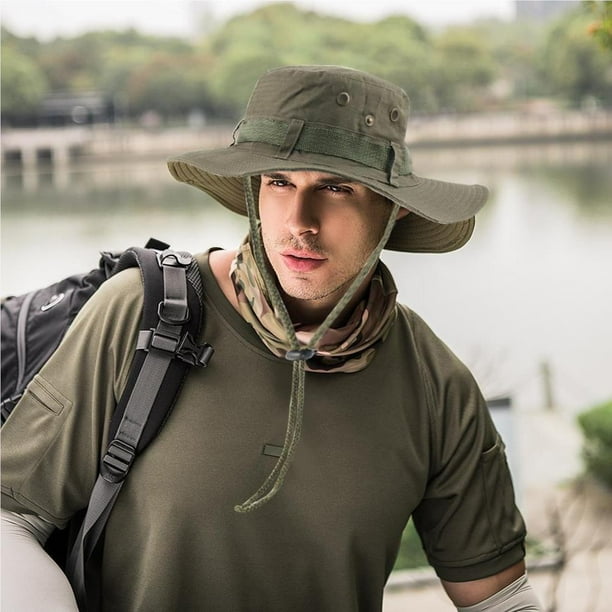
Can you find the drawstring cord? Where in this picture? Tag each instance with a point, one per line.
(275, 479)
(297, 354)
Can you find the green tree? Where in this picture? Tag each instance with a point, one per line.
(464, 68)
(601, 27)
(273, 35)
(399, 50)
(573, 64)
(234, 76)
(596, 425)
(73, 64)
(23, 83)
(170, 84)
(453, 69)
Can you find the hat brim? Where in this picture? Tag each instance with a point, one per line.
(443, 218)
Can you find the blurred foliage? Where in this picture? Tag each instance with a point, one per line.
(601, 28)
(23, 82)
(575, 66)
(596, 425)
(411, 554)
(485, 65)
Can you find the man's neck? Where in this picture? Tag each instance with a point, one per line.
(303, 312)
(314, 312)
(220, 263)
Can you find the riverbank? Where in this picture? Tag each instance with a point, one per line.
(28, 148)
(517, 127)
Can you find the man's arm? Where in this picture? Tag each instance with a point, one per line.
(63, 417)
(507, 591)
(31, 581)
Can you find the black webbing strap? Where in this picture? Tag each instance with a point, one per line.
(115, 466)
(164, 344)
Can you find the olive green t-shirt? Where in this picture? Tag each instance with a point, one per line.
(410, 434)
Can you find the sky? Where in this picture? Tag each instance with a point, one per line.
(46, 19)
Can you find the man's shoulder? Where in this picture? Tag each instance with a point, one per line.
(120, 291)
(125, 289)
(420, 331)
(451, 385)
(432, 352)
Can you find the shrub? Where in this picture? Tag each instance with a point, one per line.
(410, 554)
(596, 425)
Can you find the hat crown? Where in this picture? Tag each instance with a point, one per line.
(340, 121)
(335, 96)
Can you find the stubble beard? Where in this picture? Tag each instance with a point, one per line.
(303, 287)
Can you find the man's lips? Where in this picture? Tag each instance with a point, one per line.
(302, 261)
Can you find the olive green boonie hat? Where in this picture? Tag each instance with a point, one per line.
(344, 122)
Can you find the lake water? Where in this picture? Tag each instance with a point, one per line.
(533, 286)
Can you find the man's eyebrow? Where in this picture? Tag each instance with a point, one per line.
(328, 179)
(336, 180)
(276, 175)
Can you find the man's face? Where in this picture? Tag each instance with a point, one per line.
(318, 231)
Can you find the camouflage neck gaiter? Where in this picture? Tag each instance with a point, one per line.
(348, 348)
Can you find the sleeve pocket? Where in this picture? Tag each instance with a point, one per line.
(493, 452)
(503, 517)
(47, 396)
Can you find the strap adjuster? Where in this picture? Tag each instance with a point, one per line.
(302, 354)
(184, 348)
(173, 312)
(192, 353)
(174, 258)
(163, 342)
(117, 461)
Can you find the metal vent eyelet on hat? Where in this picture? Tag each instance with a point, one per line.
(394, 114)
(369, 120)
(343, 98)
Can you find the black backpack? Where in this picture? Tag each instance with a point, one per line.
(33, 326)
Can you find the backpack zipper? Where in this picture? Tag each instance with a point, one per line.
(22, 321)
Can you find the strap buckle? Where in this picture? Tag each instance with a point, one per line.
(184, 347)
(173, 312)
(117, 461)
(192, 353)
(162, 341)
(173, 309)
(174, 258)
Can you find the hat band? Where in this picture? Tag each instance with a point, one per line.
(393, 158)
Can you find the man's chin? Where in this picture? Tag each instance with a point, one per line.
(307, 291)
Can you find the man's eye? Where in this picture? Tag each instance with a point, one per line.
(337, 189)
(278, 183)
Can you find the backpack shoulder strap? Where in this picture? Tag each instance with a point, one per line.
(171, 322)
(167, 347)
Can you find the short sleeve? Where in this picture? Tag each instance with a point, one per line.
(52, 441)
(468, 520)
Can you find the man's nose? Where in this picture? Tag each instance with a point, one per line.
(301, 214)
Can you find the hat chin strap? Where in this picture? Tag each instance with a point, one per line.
(298, 353)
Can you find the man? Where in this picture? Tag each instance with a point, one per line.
(330, 414)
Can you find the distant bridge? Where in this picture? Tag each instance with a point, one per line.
(58, 146)
(29, 147)
(33, 147)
